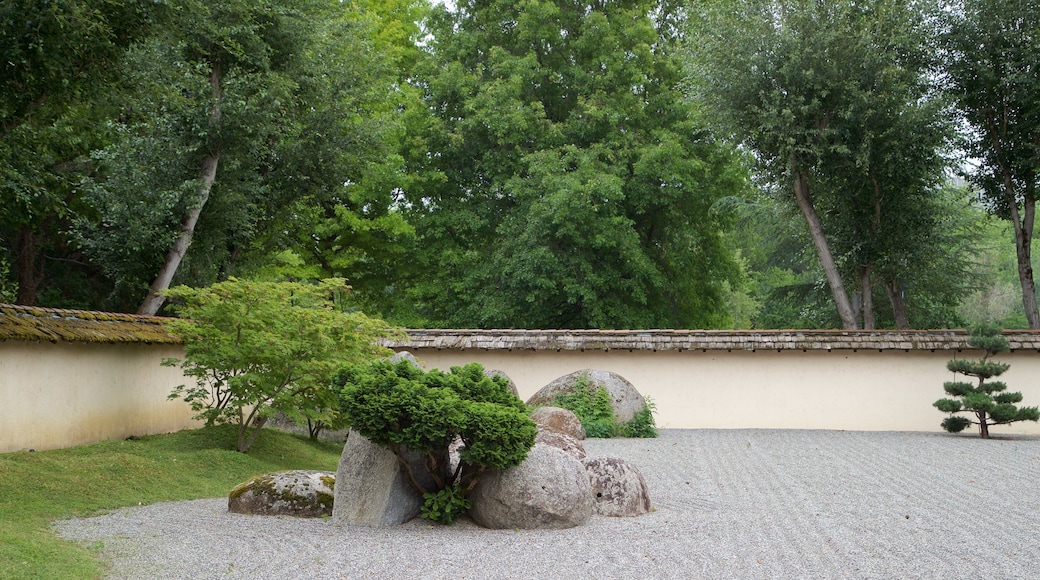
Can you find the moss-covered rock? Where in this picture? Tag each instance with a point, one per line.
(306, 494)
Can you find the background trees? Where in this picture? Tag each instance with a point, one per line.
(834, 100)
(524, 164)
(992, 69)
(577, 183)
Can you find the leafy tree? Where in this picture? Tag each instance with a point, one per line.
(58, 60)
(992, 63)
(404, 409)
(577, 184)
(986, 400)
(355, 125)
(833, 100)
(260, 348)
(237, 118)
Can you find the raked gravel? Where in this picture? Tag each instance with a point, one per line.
(729, 504)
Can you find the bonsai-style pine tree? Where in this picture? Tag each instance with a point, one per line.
(404, 409)
(986, 400)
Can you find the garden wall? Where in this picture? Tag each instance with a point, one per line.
(866, 380)
(73, 377)
(69, 378)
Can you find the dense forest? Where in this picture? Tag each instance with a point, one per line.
(530, 163)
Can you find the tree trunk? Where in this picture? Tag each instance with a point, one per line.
(1023, 223)
(25, 266)
(823, 250)
(983, 424)
(207, 175)
(868, 297)
(898, 300)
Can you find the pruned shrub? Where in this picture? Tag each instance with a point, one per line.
(403, 408)
(986, 402)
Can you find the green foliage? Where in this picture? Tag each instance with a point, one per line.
(991, 67)
(574, 182)
(446, 505)
(259, 348)
(405, 409)
(835, 100)
(594, 409)
(979, 399)
(642, 425)
(37, 488)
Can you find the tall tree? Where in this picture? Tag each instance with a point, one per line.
(236, 113)
(58, 57)
(992, 67)
(818, 91)
(577, 184)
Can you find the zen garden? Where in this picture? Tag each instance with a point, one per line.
(774, 202)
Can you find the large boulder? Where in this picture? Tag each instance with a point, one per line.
(550, 489)
(371, 487)
(307, 494)
(624, 397)
(560, 420)
(563, 441)
(618, 489)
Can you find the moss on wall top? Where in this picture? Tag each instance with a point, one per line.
(31, 323)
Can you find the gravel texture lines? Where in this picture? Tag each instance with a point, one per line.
(729, 504)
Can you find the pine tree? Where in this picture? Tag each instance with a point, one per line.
(988, 400)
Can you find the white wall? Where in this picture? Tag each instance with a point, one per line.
(891, 390)
(63, 394)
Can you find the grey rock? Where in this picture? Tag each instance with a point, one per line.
(618, 489)
(548, 490)
(405, 355)
(624, 397)
(307, 494)
(560, 420)
(371, 487)
(563, 441)
(497, 373)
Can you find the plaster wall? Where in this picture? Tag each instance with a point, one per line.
(62, 394)
(891, 390)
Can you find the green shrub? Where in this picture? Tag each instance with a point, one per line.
(642, 426)
(594, 409)
(403, 408)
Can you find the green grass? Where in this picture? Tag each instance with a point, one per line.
(38, 488)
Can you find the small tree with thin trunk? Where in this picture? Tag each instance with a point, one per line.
(986, 400)
(259, 348)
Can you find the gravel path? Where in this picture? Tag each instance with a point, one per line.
(729, 504)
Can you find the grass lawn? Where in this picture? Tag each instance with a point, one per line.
(37, 488)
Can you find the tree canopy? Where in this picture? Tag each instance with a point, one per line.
(545, 163)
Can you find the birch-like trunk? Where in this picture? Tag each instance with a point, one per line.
(823, 250)
(207, 175)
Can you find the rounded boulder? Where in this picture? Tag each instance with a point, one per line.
(563, 441)
(624, 397)
(306, 494)
(549, 490)
(618, 489)
(560, 420)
